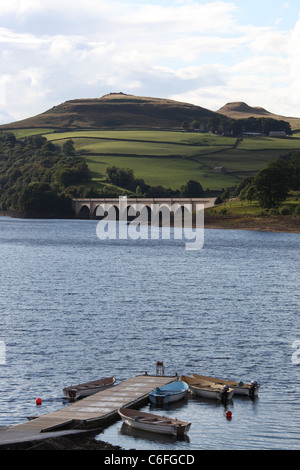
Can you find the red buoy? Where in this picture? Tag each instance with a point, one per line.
(38, 401)
(228, 414)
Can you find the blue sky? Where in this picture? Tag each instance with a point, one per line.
(198, 51)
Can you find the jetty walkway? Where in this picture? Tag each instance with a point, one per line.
(96, 411)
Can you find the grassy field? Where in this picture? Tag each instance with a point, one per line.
(171, 137)
(236, 207)
(165, 158)
(171, 158)
(269, 143)
(21, 133)
(236, 214)
(168, 172)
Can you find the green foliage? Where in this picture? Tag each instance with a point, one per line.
(35, 174)
(68, 148)
(295, 169)
(41, 198)
(273, 183)
(192, 189)
(123, 177)
(251, 124)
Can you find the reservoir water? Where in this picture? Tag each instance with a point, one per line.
(74, 308)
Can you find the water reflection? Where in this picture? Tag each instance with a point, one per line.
(150, 437)
(74, 308)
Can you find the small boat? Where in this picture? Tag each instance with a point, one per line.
(169, 393)
(207, 389)
(154, 423)
(84, 390)
(240, 388)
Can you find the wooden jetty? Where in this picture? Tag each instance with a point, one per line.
(95, 411)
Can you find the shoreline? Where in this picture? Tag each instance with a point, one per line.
(278, 224)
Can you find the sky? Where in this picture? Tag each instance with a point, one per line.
(203, 52)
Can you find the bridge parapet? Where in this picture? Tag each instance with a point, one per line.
(87, 208)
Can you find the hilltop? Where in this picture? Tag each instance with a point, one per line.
(123, 111)
(241, 110)
(117, 110)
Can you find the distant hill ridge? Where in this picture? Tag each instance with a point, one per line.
(120, 110)
(241, 110)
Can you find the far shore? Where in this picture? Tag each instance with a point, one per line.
(281, 224)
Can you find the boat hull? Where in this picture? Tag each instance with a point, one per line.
(165, 398)
(84, 390)
(159, 429)
(245, 389)
(154, 423)
(213, 394)
(169, 394)
(207, 389)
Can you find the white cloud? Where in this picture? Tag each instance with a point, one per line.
(197, 52)
(20, 7)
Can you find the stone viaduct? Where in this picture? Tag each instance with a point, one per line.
(87, 208)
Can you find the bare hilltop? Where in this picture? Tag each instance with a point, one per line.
(123, 111)
(241, 110)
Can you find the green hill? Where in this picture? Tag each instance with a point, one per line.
(147, 136)
(117, 110)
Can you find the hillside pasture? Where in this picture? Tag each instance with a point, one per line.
(168, 137)
(241, 163)
(171, 158)
(158, 171)
(269, 143)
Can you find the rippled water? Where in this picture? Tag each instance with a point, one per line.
(74, 308)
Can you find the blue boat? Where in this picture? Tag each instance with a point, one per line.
(169, 393)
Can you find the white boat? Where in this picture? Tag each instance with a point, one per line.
(207, 389)
(240, 388)
(154, 423)
(85, 389)
(169, 393)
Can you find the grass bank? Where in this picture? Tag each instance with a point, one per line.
(241, 215)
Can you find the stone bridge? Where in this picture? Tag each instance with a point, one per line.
(87, 208)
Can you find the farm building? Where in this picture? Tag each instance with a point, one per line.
(277, 134)
(252, 134)
(219, 169)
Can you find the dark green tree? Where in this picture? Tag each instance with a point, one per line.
(191, 189)
(41, 198)
(122, 177)
(272, 184)
(68, 148)
(295, 168)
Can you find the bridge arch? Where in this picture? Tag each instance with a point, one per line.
(139, 210)
(112, 211)
(84, 212)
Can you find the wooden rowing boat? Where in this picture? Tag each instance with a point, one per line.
(169, 393)
(85, 389)
(207, 389)
(240, 388)
(154, 423)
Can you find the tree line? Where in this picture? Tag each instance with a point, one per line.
(37, 176)
(235, 127)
